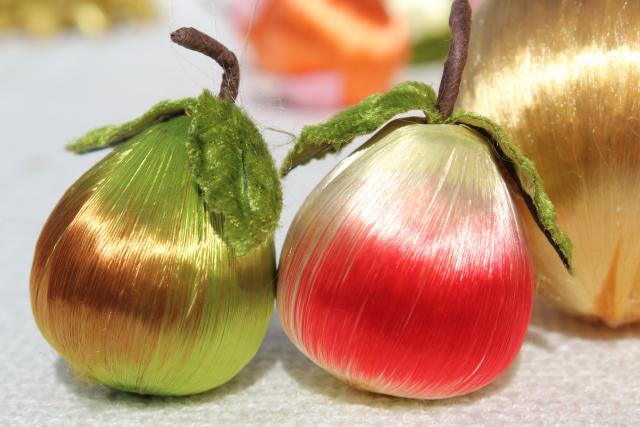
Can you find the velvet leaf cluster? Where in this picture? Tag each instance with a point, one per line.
(229, 160)
(369, 115)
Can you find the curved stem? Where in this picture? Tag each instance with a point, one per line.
(192, 39)
(460, 23)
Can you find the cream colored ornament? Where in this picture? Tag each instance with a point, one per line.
(564, 77)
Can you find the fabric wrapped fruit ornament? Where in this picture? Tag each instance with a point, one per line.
(564, 78)
(43, 18)
(155, 273)
(406, 271)
(325, 52)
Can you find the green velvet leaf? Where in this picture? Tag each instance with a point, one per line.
(234, 169)
(331, 136)
(113, 134)
(526, 177)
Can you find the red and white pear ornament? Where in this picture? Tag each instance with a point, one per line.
(406, 271)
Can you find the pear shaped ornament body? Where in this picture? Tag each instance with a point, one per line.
(406, 271)
(563, 77)
(132, 283)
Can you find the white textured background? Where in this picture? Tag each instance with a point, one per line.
(568, 373)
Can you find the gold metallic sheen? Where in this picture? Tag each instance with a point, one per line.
(564, 77)
(133, 285)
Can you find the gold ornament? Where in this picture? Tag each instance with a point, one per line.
(43, 18)
(564, 77)
(155, 273)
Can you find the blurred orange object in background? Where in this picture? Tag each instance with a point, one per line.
(357, 41)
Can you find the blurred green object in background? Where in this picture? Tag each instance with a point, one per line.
(430, 49)
(428, 22)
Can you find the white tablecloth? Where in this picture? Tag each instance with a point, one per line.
(568, 373)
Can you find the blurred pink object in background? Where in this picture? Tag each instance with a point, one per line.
(322, 89)
(245, 11)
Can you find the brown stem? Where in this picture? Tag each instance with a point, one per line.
(460, 23)
(193, 39)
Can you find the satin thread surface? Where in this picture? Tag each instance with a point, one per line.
(564, 77)
(406, 271)
(132, 284)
